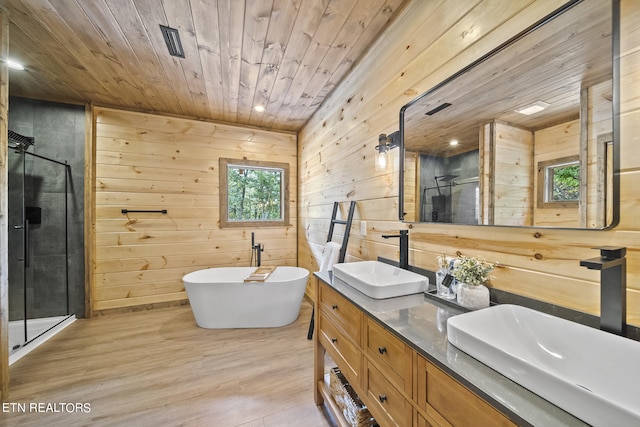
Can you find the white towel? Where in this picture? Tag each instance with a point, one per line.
(330, 256)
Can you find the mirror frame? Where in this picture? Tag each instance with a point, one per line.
(615, 51)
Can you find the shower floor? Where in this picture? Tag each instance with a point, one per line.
(39, 330)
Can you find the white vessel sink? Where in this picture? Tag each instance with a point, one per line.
(379, 280)
(589, 373)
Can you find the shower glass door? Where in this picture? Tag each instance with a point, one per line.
(38, 275)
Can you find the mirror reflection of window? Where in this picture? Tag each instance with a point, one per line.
(563, 183)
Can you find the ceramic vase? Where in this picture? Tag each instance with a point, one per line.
(473, 296)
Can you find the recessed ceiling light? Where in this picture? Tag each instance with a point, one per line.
(15, 65)
(536, 107)
(453, 142)
(259, 108)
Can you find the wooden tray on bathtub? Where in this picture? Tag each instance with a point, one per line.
(261, 274)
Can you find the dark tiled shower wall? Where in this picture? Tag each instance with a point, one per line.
(457, 203)
(59, 134)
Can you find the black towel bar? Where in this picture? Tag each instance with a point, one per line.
(162, 211)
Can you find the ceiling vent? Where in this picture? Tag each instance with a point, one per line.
(172, 39)
(437, 109)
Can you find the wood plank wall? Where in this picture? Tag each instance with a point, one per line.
(556, 142)
(512, 190)
(145, 161)
(429, 42)
(4, 208)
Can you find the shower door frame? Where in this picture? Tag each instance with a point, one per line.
(25, 248)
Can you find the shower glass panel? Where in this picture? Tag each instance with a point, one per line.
(38, 245)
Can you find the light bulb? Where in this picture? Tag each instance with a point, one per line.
(381, 161)
(15, 65)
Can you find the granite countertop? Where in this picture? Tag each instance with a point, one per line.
(421, 322)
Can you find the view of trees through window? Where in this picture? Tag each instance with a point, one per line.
(565, 183)
(254, 194)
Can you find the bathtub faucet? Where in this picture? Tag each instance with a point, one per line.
(256, 250)
(613, 287)
(404, 247)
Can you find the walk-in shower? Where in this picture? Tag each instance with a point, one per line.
(38, 244)
(449, 188)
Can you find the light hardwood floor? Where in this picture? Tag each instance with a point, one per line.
(157, 368)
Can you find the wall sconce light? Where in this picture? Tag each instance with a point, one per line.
(385, 144)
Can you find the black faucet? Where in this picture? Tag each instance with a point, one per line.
(613, 287)
(404, 247)
(256, 250)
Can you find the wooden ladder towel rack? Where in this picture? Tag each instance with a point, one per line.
(343, 247)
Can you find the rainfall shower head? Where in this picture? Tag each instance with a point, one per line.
(20, 142)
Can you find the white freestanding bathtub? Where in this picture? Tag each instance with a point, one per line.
(220, 298)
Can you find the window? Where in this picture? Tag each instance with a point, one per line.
(253, 193)
(559, 182)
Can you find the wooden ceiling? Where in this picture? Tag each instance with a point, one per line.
(552, 64)
(286, 55)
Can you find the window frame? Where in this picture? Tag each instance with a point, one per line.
(545, 185)
(224, 193)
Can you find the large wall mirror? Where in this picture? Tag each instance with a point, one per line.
(525, 136)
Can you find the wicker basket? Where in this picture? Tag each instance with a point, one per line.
(354, 411)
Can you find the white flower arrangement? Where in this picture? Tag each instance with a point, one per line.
(472, 270)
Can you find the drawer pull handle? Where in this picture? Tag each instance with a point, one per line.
(334, 306)
(382, 350)
(334, 340)
(382, 398)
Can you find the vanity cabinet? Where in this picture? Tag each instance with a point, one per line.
(339, 333)
(391, 355)
(399, 386)
(344, 314)
(447, 402)
(387, 404)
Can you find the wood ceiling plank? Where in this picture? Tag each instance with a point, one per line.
(205, 22)
(356, 24)
(128, 20)
(230, 20)
(279, 53)
(179, 16)
(53, 56)
(332, 21)
(104, 58)
(75, 44)
(257, 19)
(371, 32)
(39, 78)
(124, 49)
(309, 17)
(151, 16)
(283, 19)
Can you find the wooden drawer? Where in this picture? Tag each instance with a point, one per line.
(449, 402)
(341, 349)
(385, 402)
(393, 357)
(341, 311)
